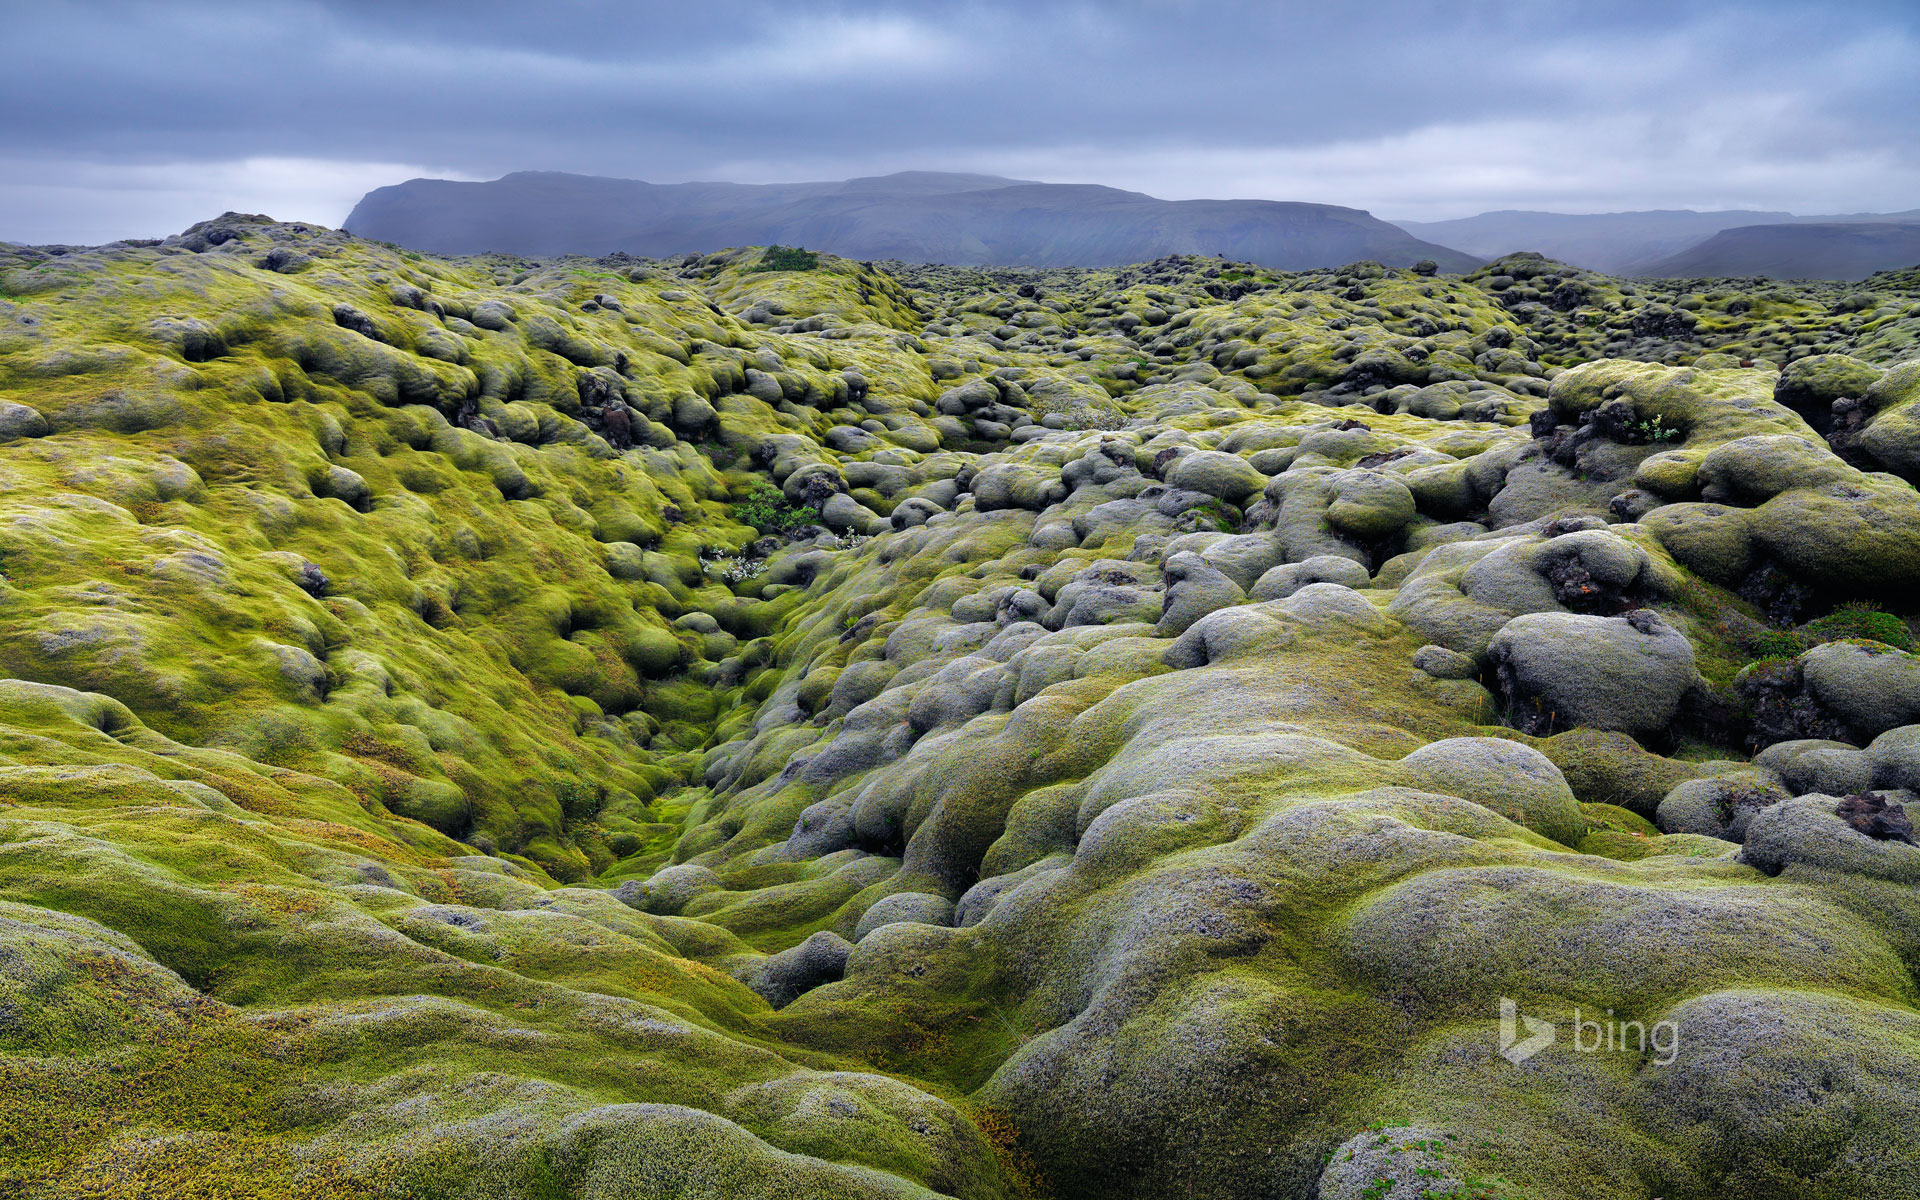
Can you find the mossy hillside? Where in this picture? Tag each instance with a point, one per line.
(466, 761)
(290, 964)
(394, 505)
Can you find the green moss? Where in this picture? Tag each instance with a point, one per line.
(1857, 621)
(767, 510)
(414, 758)
(786, 258)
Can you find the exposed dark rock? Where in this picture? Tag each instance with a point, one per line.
(1874, 816)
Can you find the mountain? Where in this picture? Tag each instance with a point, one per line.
(1830, 250)
(1634, 243)
(1907, 217)
(1598, 241)
(915, 216)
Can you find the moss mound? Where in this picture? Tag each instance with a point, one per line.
(740, 726)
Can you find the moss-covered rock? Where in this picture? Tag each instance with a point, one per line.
(499, 727)
(1558, 670)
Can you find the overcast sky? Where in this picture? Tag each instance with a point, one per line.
(137, 119)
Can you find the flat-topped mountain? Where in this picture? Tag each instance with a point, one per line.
(914, 216)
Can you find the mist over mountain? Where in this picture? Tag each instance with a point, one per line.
(1827, 250)
(1597, 241)
(916, 216)
(1633, 243)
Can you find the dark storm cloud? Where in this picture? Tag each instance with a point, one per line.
(124, 115)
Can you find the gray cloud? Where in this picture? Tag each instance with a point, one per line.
(134, 119)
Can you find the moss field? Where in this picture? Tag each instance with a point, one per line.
(1161, 714)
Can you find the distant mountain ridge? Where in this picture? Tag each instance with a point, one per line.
(1824, 250)
(1637, 243)
(1606, 242)
(916, 216)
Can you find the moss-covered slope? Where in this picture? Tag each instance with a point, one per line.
(610, 728)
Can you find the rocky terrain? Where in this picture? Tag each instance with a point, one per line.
(601, 727)
(916, 216)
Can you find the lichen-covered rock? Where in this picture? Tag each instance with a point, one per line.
(1194, 589)
(1558, 670)
(1894, 758)
(1391, 1162)
(782, 978)
(1227, 476)
(1514, 780)
(1809, 832)
(1815, 765)
(1288, 578)
(1442, 663)
(1370, 506)
(1754, 1058)
(918, 907)
(668, 890)
(1870, 686)
(1722, 807)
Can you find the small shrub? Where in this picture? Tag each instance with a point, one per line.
(786, 258)
(768, 511)
(1860, 622)
(1774, 644)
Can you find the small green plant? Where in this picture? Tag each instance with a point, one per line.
(1775, 644)
(1655, 429)
(786, 258)
(1857, 621)
(1213, 513)
(768, 511)
(1851, 622)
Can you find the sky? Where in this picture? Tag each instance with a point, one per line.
(137, 119)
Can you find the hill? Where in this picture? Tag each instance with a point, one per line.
(1837, 250)
(1598, 241)
(584, 728)
(917, 217)
(1637, 243)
